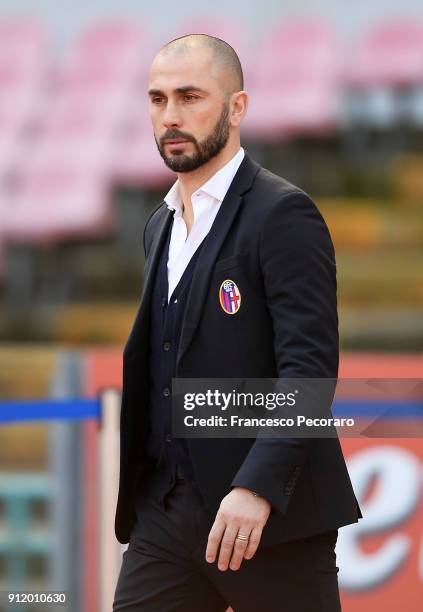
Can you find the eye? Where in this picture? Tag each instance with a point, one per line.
(190, 97)
(157, 100)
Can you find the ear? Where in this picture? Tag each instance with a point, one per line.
(238, 108)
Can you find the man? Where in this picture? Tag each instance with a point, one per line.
(212, 523)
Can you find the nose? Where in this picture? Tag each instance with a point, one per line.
(171, 117)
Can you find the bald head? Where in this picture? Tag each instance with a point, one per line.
(224, 60)
(197, 102)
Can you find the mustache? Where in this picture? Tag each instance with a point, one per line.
(170, 134)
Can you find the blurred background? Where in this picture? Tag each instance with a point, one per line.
(336, 106)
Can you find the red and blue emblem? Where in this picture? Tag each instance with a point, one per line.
(229, 296)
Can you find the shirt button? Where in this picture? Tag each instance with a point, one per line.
(169, 437)
(167, 346)
(166, 391)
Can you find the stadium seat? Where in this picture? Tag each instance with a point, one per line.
(390, 55)
(106, 55)
(296, 82)
(59, 201)
(24, 82)
(24, 64)
(385, 74)
(80, 124)
(23, 38)
(24, 74)
(63, 181)
(136, 160)
(113, 42)
(100, 73)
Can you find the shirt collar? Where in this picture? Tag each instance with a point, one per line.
(216, 186)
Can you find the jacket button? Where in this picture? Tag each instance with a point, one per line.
(166, 392)
(167, 346)
(169, 437)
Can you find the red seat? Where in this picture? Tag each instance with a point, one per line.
(108, 55)
(63, 182)
(24, 60)
(389, 55)
(24, 79)
(136, 161)
(23, 38)
(58, 201)
(296, 86)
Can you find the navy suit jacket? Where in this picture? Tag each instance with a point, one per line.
(270, 238)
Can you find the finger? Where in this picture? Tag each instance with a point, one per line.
(254, 541)
(226, 546)
(214, 539)
(239, 548)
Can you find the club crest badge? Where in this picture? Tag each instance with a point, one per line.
(229, 297)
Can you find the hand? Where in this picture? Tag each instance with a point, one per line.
(240, 512)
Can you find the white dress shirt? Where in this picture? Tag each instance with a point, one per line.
(205, 203)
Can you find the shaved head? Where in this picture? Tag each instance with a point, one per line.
(224, 58)
(196, 101)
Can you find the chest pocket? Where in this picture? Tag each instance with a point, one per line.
(230, 262)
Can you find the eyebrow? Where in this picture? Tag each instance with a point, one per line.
(183, 89)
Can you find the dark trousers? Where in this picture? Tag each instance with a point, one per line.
(164, 568)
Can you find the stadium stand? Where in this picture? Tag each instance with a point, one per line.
(24, 73)
(79, 169)
(384, 81)
(296, 82)
(64, 180)
(94, 129)
(136, 161)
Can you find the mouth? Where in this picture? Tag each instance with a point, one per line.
(176, 145)
(173, 141)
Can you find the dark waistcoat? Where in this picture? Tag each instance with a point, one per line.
(165, 330)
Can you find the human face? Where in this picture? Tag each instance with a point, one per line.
(188, 110)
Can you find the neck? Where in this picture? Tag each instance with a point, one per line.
(191, 181)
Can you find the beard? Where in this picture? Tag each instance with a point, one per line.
(204, 150)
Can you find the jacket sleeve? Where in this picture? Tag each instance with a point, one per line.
(298, 265)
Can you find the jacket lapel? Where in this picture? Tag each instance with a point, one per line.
(154, 253)
(213, 242)
(141, 321)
